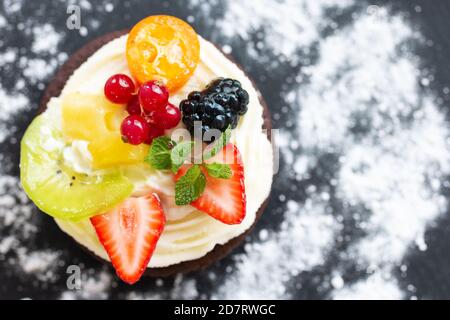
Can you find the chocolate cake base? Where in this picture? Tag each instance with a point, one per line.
(54, 89)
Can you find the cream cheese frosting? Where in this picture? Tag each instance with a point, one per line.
(189, 234)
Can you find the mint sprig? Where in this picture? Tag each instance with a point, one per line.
(218, 170)
(165, 154)
(159, 155)
(190, 186)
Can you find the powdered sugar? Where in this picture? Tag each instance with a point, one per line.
(281, 35)
(18, 229)
(42, 264)
(45, 59)
(15, 211)
(19, 223)
(93, 286)
(38, 69)
(182, 288)
(2, 21)
(373, 288)
(12, 6)
(8, 56)
(265, 268)
(9, 105)
(391, 139)
(46, 39)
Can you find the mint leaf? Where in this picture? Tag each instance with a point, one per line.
(190, 186)
(180, 153)
(159, 154)
(219, 170)
(218, 145)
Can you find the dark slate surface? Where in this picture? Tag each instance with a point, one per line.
(428, 271)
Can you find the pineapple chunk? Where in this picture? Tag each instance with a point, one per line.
(84, 116)
(94, 119)
(109, 150)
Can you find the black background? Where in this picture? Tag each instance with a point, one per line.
(428, 271)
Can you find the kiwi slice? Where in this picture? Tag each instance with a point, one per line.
(55, 188)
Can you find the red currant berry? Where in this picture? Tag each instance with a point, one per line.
(154, 132)
(166, 118)
(119, 88)
(134, 129)
(153, 95)
(134, 107)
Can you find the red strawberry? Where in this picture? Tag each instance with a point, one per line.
(223, 199)
(129, 234)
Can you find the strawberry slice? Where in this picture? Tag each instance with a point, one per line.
(222, 199)
(129, 234)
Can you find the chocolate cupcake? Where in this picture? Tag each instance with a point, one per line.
(185, 233)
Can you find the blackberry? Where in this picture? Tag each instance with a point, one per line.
(218, 106)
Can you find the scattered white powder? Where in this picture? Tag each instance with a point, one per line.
(46, 39)
(7, 243)
(373, 288)
(83, 31)
(32, 71)
(10, 105)
(187, 289)
(15, 212)
(144, 296)
(19, 250)
(182, 288)
(265, 269)
(18, 229)
(347, 84)
(12, 6)
(283, 26)
(93, 286)
(39, 69)
(3, 21)
(362, 80)
(39, 263)
(7, 57)
(337, 282)
(97, 285)
(109, 7)
(393, 185)
(227, 49)
(85, 4)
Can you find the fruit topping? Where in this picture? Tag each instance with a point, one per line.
(150, 113)
(152, 103)
(129, 234)
(134, 107)
(223, 197)
(94, 119)
(85, 116)
(166, 118)
(154, 132)
(153, 96)
(214, 186)
(54, 187)
(134, 129)
(119, 88)
(164, 48)
(109, 150)
(217, 107)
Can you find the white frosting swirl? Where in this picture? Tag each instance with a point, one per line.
(188, 234)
